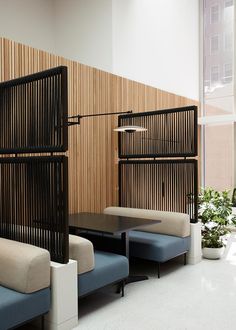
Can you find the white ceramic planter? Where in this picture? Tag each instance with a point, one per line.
(213, 253)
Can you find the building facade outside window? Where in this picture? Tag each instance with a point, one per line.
(218, 137)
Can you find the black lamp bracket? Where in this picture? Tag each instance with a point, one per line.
(76, 118)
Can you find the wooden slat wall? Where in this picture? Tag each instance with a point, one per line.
(93, 169)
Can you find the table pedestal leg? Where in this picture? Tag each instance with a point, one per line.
(125, 247)
(125, 244)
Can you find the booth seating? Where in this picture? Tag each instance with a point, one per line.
(96, 269)
(24, 283)
(158, 242)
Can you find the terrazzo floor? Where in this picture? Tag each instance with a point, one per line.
(191, 297)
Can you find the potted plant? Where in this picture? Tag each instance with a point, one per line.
(215, 213)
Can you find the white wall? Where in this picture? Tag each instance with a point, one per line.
(28, 22)
(151, 41)
(83, 31)
(156, 42)
(79, 30)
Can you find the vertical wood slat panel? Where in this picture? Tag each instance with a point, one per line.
(93, 165)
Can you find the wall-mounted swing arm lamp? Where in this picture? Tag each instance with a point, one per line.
(127, 129)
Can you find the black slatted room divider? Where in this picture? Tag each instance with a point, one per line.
(170, 133)
(164, 185)
(169, 184)
(33, 110)
(34, 211)
(33, 189)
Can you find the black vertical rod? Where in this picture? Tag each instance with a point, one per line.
(125, 244)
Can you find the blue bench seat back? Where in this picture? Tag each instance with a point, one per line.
(157, 247)
(17, 308)
(109, 268)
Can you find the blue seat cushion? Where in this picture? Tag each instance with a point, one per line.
(145, 245)
(157, 247)
(109, 268)
(17, 308)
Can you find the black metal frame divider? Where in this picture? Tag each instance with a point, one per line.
(34, 189)
(170, 183)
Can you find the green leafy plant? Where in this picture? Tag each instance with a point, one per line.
(215, 213)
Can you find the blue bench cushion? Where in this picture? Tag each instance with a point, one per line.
(17, 308)
(145, 245)
(109, 268)
(157, 247)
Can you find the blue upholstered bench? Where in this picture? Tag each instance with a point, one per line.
(158, 242)
(109, 268)
(18, 308)
(96, 269)
(158, 247)
(24, 283)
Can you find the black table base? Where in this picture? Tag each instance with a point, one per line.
(136, 278)
(101, 224)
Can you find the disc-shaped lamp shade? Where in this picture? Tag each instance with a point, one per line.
(130, 129)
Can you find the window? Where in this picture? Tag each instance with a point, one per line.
(228, 72)
(219, 159)
(228, 10)
(228, 3)
(228, 41)
(214, 44)
(214, 74)
(215, 14)
(218, 95)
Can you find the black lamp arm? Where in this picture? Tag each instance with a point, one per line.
(100, 114)
(78, 117)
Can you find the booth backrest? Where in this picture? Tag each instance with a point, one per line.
(24, 268)
(81, 250)
(172, 223)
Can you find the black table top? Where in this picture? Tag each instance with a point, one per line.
(105, 223)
